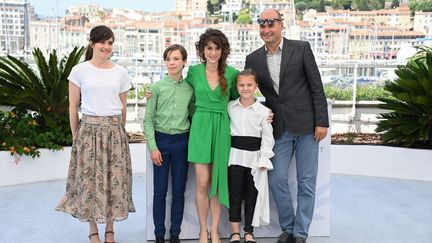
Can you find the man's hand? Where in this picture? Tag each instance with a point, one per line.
(148, 93)
(320, 133)
(270, 116)
(156, 157)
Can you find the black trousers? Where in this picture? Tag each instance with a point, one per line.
(241, 186)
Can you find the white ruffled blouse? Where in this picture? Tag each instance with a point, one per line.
(252, 121)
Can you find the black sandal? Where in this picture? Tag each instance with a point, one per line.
(109, 232)
(235, 241)
(249, 241)
(93, 234)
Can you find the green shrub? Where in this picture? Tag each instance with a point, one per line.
(43, 93)
(410, 120)
(337, 93)
(22, 133)
(141, 92)
(364, 92)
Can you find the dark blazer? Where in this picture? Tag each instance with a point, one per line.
(301, 104)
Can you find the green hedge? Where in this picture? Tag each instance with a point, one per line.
(364, 92)
(141, 92)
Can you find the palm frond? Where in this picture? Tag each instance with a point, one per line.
(44, 91)
(410, 118)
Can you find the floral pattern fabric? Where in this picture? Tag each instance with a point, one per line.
(99, 183)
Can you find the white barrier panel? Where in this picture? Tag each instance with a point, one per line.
(52, 165)
(321, 220)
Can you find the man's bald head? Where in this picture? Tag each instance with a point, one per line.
(271, 12)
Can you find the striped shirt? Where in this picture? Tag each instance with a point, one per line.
(274, 63)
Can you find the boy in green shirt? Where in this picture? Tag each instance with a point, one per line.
(166, 126)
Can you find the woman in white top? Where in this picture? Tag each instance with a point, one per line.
(99, 184)
(251, 149)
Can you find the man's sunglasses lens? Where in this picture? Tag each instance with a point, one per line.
(270, 22)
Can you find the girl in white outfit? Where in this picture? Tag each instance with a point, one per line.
(251, 149)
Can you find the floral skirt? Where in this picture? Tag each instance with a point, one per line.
(99, 183)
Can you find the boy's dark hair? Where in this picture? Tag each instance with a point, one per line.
(248, 72)
(98, 34)
(174, 47)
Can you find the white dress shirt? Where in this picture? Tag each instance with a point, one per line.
(252, 121)
(274, 61)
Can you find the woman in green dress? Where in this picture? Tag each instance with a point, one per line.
(213, 82)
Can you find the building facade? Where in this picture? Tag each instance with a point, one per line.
(423, 22)
(45, 34)
(191, 8)
(15, 16)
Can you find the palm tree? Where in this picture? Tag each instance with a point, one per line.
(410, 119)
(44, 91)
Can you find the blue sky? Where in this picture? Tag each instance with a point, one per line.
(49, 7)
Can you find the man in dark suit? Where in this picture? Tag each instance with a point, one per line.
(289, 79)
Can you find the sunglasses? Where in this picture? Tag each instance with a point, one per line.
(270, 21)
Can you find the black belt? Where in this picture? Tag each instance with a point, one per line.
(246, 143)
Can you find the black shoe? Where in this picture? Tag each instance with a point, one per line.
(300, 240)
(174, 239)
(249, 241)
(235, 241)
(285, 237)
(159, 239)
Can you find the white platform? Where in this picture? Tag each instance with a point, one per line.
(382, 161)
(321, 221)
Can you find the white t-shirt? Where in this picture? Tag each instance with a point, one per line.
(100, 88)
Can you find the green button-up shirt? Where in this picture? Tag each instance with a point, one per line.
(168, 110)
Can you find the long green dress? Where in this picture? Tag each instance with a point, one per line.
(209, 138)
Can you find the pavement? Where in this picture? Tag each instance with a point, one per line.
(363, 209)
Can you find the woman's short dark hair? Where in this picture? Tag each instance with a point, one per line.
(174, 47)
(98, 34)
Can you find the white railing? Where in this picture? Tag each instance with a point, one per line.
(352, 72)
